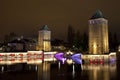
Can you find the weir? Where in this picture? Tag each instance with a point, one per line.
(30, 57)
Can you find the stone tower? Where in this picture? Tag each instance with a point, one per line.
(98, 34)
(44, 39)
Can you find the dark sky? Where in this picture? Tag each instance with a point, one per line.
(25, 17)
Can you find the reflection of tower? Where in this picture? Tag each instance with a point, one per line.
(98, 34)
(44, 39)
(44, 71)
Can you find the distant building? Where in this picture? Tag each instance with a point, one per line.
(21, 44)
(98, 34)
(44, 39)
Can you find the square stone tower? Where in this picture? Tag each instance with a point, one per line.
(44, 39)
(98, 34)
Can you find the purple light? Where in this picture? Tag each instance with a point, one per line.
(112, 60)
(77, 58)
(60, 57)
(63, 60)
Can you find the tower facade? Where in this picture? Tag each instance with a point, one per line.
(98, 34)
(44, 39)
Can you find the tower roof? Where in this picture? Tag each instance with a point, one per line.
(98, 14)
(45, 27)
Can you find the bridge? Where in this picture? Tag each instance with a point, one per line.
(28, 57)
(36, 57)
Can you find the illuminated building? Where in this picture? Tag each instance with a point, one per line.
(119, 48)
(44, 39)
(98, 34)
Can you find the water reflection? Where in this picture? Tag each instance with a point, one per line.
(98, 71)
(44, 71)
(59, 71)
(65, 71)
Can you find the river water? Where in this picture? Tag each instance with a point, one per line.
(59, 71)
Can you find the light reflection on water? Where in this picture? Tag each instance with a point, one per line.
(58, 71)
(98, 72)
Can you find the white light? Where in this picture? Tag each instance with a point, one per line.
(112, 53)
(69, 52)
(2, 68)
(69, 61)
(59, 65)
(73, 72)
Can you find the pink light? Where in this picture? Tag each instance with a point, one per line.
(12, 54)
(101, 61)
(21, 54)
(90, 60)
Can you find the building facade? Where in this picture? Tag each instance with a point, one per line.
(98, 34)
(20, 44)
(119, 48)
(44, 39)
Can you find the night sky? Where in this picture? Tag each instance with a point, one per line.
(25, 17)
